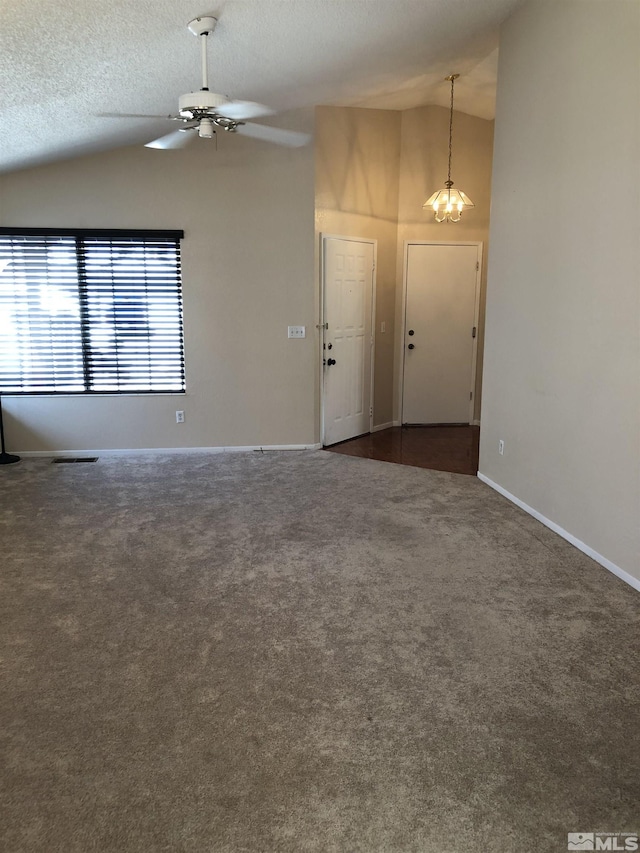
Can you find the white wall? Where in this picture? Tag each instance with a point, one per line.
(247, 210)
(562, 355)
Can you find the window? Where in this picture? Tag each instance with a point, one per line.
(85, 312)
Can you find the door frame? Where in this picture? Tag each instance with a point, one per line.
(476, 314)
(323, 328)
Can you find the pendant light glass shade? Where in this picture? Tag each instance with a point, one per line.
(448, 203)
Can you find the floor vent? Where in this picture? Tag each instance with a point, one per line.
(64, 459)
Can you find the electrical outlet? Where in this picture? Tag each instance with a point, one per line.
(179, 417)
(501, 447)
(296, 332)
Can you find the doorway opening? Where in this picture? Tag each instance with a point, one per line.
(440, 316)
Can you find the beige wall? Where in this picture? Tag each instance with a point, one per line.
(248, 273)
(357, 173)
(374, 171)
(424, 155)
(562, 355)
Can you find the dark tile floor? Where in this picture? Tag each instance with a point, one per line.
(442, 448)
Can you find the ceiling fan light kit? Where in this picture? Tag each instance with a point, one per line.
(447, 204)
(204, 112)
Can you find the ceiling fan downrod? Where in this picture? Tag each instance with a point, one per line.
(202, 27)
(196, 105)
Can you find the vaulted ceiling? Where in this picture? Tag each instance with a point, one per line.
(65, 63)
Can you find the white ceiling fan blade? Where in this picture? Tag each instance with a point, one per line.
(130, 115)
(292, 138)
(175, 139)
(240, 110)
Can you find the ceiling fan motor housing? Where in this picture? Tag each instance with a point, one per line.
(200, 101)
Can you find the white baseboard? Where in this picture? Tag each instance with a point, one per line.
(577, 543)
(156, 451)
(380, 427)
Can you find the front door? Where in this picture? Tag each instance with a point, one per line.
(439, 334)
(348, 270)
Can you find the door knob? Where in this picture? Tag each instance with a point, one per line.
(411, 346)
(331, 361)
(411, 332)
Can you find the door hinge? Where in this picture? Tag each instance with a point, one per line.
(473, 332)
(477, 265)
(471, 395)
(370, 411)
(322, 325)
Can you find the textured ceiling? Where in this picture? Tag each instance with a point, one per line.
(63, 63)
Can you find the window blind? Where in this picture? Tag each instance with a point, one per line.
(86, 312)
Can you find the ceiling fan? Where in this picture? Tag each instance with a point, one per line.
(204, 112)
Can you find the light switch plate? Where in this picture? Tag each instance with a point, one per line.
(297, 332)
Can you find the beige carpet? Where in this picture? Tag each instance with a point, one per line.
(303, 652)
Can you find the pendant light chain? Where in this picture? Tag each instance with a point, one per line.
(453, 78)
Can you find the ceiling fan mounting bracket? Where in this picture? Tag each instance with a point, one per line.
(202, 26)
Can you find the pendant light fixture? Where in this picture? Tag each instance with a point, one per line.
(447, 203)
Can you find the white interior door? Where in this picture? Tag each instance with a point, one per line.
(348, 270)
(439, 333)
